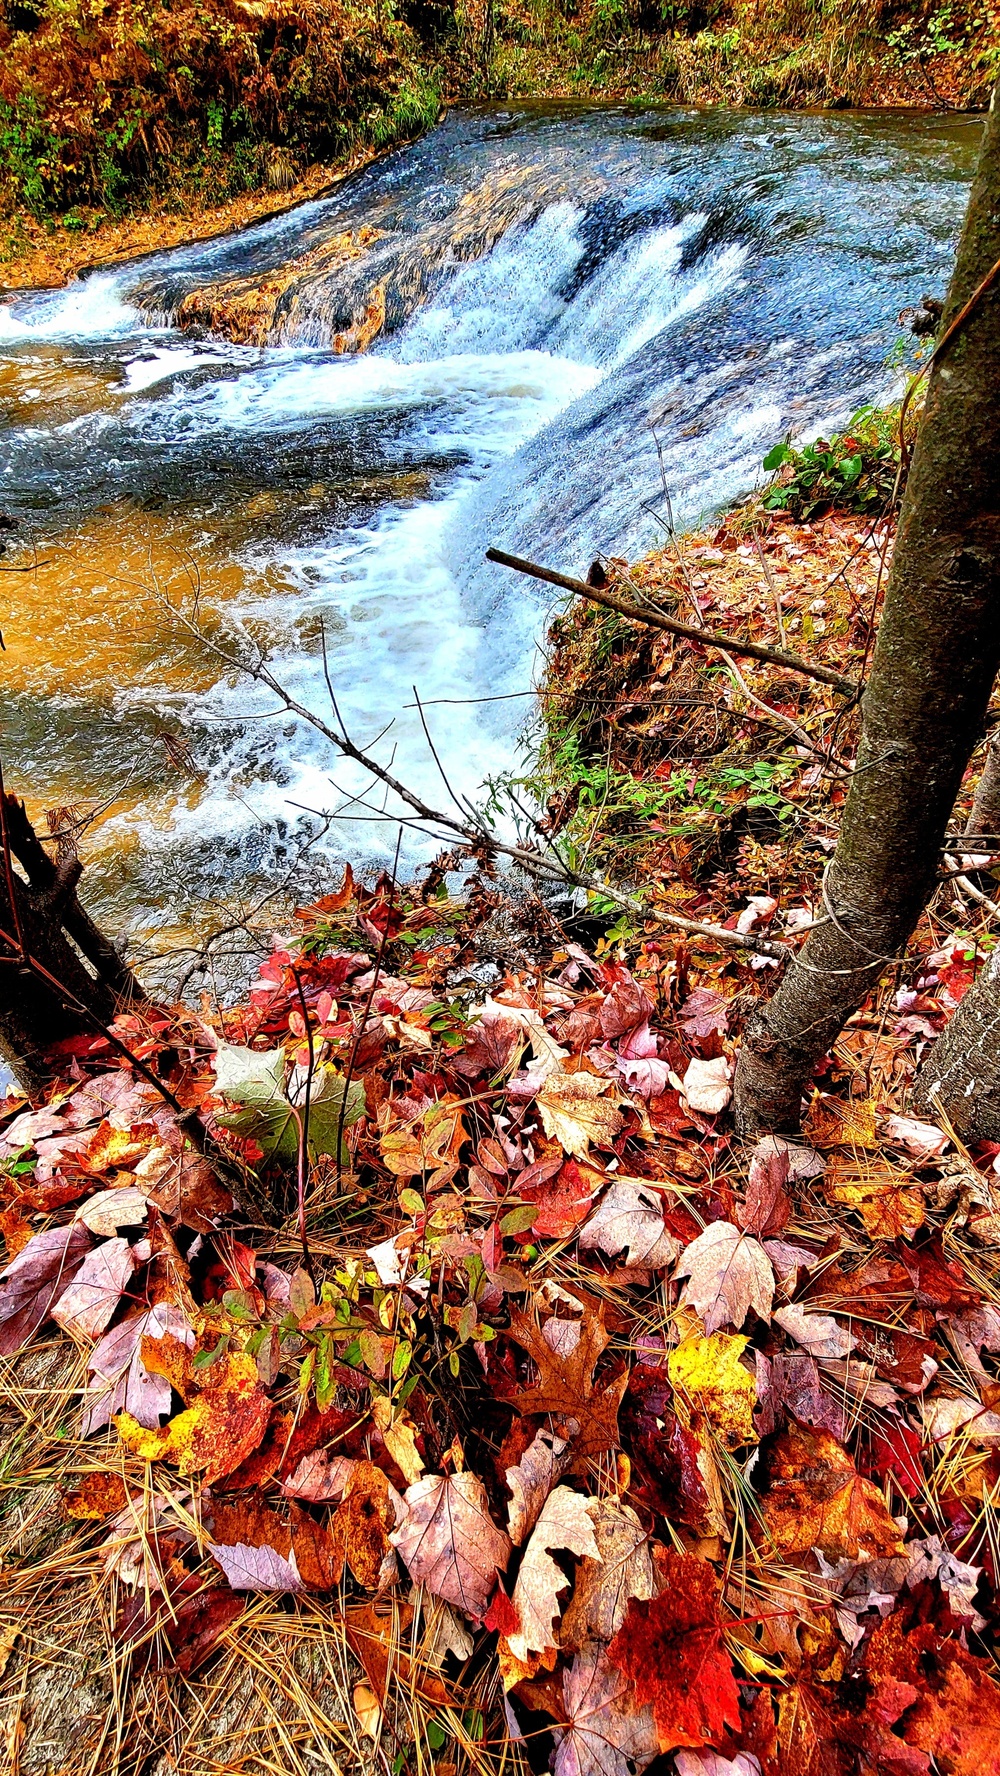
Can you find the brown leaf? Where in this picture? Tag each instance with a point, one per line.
(226, 1420)
(767, 1208)
(565, 1386)
(602, 1588)
(368, 1512)
(575, 1111)
(817, 1498)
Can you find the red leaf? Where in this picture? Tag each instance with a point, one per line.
(671, 1650)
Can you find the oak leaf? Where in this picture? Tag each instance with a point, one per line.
(531, 1481)
(449, 1541)
(575, 1111)
(225, 1421)
(630, 1219)
(606, 1734)
(670, 1648)
(728, 1274)
(565, 1387)
(817, 1499)
(564, 1522)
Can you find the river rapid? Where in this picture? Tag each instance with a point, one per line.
(543, 286)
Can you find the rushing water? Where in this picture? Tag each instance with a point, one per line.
(559, 280)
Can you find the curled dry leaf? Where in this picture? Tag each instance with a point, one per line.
(728, 1274)
(531, 1481)
(564, 1522)
(818, 1333)
(449, 1541)
(630, 1219)
(575, 1111)
(602, 1588)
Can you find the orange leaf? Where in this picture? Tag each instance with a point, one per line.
(670, 1648)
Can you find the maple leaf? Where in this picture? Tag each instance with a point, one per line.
(630, 1219)
(708, 1374)
(531, 1481)
(121, 1381)
(563, 1201)
(670, 1649)
(449, 1541)
(817, 1499)
(574, 1111)
(217, 1431)
(256, 1081)
(728, 1274)
(606, 1734)
(31, 1285)
(625, 1006)
(791, 1380)
(565, 1386)
(319, 1477)
(492, 1044)
(564, 1522)
(704, 1011)
(889, 1203)
(602, 1588)
(84, 1309)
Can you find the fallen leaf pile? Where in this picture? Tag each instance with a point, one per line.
(696, 1445)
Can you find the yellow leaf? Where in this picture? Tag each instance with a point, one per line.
(708, 1373)
(889, 1203)
(574, 1112)
(213, 1435)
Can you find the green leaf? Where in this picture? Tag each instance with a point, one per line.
(774, 458)
(519, 1220)
(256, 1082)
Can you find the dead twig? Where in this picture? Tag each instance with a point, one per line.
(655, 620)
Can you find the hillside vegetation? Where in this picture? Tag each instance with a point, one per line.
(110, 107)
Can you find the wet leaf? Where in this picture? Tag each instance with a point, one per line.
(606, 1734)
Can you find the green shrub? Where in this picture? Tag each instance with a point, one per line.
(856, 470)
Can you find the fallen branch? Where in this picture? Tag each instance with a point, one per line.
(656, 620)
(474, 835)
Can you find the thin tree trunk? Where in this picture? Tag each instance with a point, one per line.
(961, 1075)
(923, 711)
(59, 975)
(984, 819)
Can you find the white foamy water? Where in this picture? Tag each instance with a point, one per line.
(720, 283)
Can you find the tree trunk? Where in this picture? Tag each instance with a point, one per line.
(59, 975)
(961, 1075)
(923, 710)
(985, 817)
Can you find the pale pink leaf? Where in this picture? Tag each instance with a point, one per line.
(818, 1333)
(319, 1476)
(607, 1735)
(564, 1522)
(706, 1085)
(704, 1012)
(121, 1382)
(256, 1569)
(630, 1219)
(728, 1274)
(449, 1541)
(84, 1309)
(650, 1078)
(33, 1282)
(922, 1139)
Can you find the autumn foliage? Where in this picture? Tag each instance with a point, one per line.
(690, 1449)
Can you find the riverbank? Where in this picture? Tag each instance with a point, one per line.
(198, 151)
(280, 1489)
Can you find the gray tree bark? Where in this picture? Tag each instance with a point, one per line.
(923, 710)
(984, 819)
(961, 1075)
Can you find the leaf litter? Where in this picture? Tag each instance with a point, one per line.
(580, 1435)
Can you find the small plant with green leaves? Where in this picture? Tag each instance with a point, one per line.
(857, 470)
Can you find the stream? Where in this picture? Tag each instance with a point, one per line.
(539, 287)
